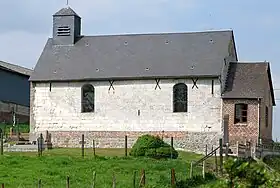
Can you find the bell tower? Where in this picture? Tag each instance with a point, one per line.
(66, 27)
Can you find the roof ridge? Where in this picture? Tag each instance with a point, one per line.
(17, 68)
(250, 62)
(14, 64)
(157, 33)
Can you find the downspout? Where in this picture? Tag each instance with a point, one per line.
(259, 120)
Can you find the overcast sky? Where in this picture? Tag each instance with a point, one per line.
(25, 26)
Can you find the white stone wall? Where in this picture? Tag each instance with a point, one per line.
(117, 110)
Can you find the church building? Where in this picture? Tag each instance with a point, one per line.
(189, 86)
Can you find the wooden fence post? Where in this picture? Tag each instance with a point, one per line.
(125, 145)
(11, 131)
(39, 183)
(3, 185)
(18, 134)
(38, 144)
(93, 180)
(205, 149)
(4, 131)
(114, 180)
(83, 145)
(67, 182)
(2, 147)
(134, 179)
(143, 178)
(254, 151)
(93, 147)
(227, 148)
(237, 148)
(216, 162)
(171, 147)
(173, 178)
(47, 136)
(41, 144)
(203, 169)
(191, 170)
(221, 156)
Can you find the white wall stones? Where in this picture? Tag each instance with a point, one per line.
(117, 110)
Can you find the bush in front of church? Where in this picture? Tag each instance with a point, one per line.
(154, 147)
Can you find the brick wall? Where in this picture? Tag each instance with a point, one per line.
(266, 127)
(246, 131)
(59, 110)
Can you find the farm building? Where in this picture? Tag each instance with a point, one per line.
(15, 92)
(187, 85)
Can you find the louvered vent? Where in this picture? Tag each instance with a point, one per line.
(63, 31)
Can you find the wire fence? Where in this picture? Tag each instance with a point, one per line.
(43, 148)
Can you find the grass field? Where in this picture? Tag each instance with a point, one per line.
(23, 128)
(24, 169)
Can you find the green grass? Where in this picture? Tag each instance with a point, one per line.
(273, 162)
(23, 128)
(24, 169)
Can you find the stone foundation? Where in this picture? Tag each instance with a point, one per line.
(188, 141)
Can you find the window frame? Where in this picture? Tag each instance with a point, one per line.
(180, 106)
(242, 108)
(266, 116)
(92, 90)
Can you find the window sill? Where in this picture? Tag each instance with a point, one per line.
(241, 124)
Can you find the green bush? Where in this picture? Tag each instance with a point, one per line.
(154, 147)
(247, 171)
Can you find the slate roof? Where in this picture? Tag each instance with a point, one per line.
(135, 56)
(15, 68)
(247, 80)
(67, 11)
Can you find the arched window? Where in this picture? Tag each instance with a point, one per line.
(240, 113)
(87, 98)
(180, 97)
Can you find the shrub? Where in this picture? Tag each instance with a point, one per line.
(154, 147)
(247, 171)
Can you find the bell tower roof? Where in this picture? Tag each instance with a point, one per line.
(67, 11)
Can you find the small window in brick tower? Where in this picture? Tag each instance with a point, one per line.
(240, 113)
(266, 116)
(87, 98)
